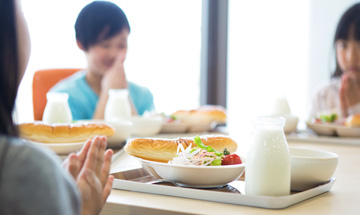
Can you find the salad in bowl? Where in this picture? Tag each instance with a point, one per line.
(200, 167)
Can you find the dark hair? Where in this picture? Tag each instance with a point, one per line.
(98, 21)
(9, 69)
(351, 18)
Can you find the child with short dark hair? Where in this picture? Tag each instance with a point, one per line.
(102, 31)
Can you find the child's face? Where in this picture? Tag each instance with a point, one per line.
(102, 55)
(348, 55)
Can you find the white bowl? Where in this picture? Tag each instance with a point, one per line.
(290, 123)
(194, 176)
(311, 167)
(327, 129)
(344, 131)
(122, 132)
(146, 126)
(174, 127)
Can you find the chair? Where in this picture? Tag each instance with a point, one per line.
(42, 82)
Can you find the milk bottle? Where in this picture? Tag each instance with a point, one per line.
(57, 108)
(267, 171)
(118, 106)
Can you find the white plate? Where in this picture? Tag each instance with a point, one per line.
(174, 127)
(322, 128)
(61, 148)
(201, 127)
(344, 131)
(194, 176)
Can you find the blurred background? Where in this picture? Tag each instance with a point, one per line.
(272, 49)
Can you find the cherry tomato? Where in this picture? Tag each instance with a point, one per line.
(231, 159)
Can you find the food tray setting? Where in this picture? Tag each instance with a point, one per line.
(311, 137)
(140, 180)
(332, 129)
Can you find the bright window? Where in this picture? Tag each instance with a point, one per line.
(163, 54)
(267, 58)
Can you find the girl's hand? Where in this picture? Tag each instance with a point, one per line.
(90, 168)
(115, 77)
(349, 93)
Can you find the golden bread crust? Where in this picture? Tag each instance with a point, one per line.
(63, 133)
(164, 150)
(353, 121)
(205, 114)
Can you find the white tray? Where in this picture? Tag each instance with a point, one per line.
(140, 181)
(309, 136)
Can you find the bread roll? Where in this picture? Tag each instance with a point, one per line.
(205, 114)
(353, 120)
(63, 133)
(164, 150)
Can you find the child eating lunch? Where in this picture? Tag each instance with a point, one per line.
(102, 31)
(342, 95)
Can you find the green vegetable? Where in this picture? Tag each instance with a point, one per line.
(173, 117)
(201, 145)
(226, 152)
(216, 162)
(328, 118)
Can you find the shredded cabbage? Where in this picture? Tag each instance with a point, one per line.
(195, 156)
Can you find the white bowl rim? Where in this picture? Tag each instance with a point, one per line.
(234, 166)
(138, 117)
(331, 154)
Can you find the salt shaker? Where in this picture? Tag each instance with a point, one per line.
(118, 105)
(57, 108)
(267, 171)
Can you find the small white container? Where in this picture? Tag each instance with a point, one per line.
(57, 108)
(267, 171)
(146, 126)
(118, 105)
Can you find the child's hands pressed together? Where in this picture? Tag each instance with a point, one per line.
(349, 92)
(115, 77)
(90, 168)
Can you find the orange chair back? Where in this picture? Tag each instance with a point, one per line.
(42, 82)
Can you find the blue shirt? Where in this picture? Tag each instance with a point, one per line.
(83, 99)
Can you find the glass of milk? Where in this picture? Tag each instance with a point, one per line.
(118, 106)
(57, 108)
(267, 171)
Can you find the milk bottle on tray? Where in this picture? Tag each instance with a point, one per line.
(267, 171)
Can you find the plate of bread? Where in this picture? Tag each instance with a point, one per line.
(63, 138)
(199, 162)
(203, 119)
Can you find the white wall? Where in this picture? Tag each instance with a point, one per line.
(267, 59)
